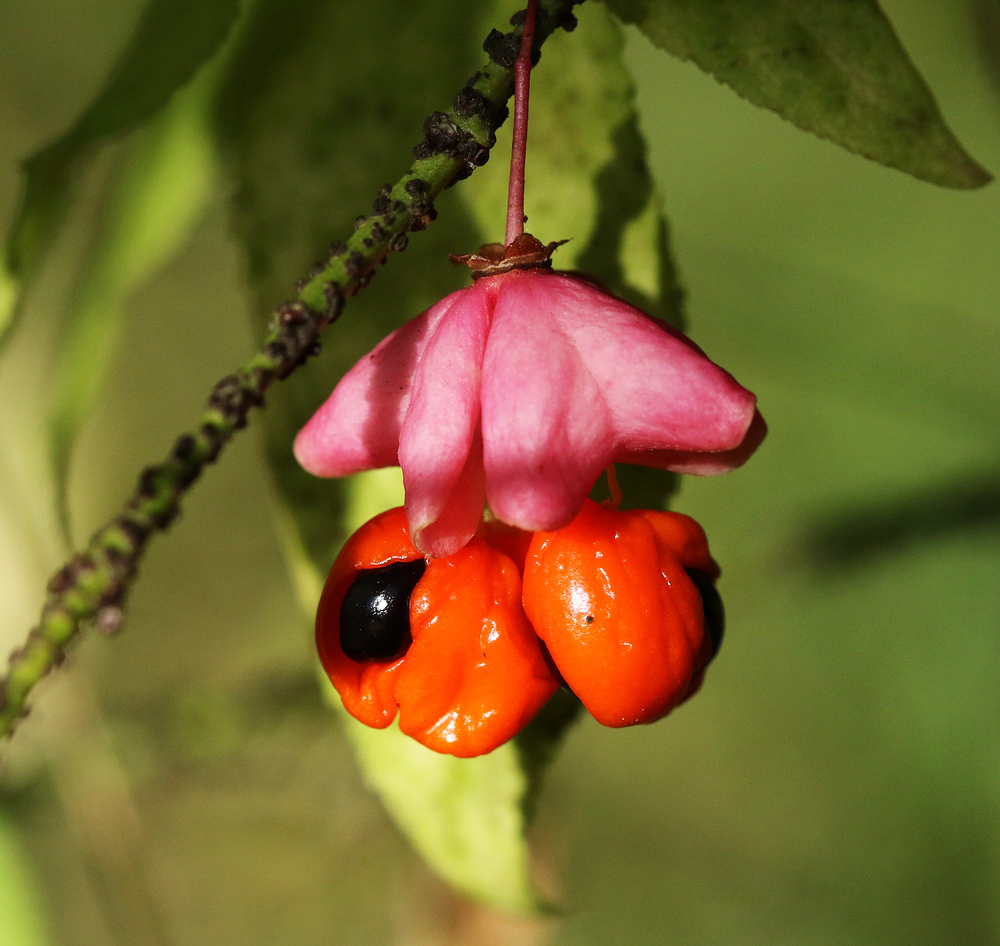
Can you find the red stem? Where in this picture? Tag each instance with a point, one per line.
(522, 82)
(616, 491)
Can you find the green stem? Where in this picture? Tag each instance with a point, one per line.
(91, 587)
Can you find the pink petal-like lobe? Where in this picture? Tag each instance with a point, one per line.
(547, 432)
(519, 391)
(575, 379)
(440, 450)
(358, 426)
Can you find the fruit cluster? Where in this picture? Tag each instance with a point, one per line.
(619, 606)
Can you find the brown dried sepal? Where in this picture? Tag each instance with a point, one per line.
(523, 252)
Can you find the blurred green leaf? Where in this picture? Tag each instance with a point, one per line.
(171, 41)
(465, 816)
(161, 186)
(20, 914)
(835, 68)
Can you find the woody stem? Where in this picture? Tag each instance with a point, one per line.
(522, 84)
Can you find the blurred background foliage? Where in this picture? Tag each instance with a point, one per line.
(836, 782)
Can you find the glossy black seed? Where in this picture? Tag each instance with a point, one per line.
(375, 615)
(711, 602)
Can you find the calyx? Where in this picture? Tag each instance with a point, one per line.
(523, 252)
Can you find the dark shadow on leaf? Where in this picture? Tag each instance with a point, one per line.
(854, 535)
(985, 17)
(624, 188)
(538, 742)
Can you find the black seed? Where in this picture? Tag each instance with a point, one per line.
(711, 602)
(375, 615)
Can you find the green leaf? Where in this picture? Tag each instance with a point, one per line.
(21, 915)
(161, 186)
(465, 816)
(171, 41)
(835, 68)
